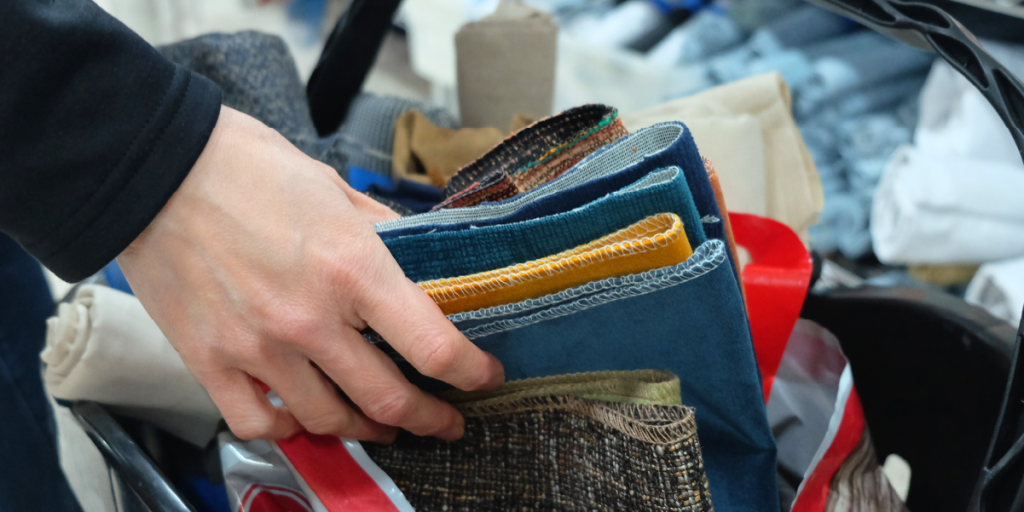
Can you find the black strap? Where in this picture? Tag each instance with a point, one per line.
(349, 53)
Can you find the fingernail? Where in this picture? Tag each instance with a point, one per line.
(455, 431)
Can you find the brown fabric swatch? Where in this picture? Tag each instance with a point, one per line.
(555, 452)
(536, 154)
(426, 153)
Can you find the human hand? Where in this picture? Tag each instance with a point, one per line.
(265, 262)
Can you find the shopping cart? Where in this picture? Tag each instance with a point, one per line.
(956, 416)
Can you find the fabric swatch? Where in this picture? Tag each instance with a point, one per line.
(657, 241)
(556, 452)
(450, 254)
(688, 319)
(426, 153)
(635, 387)
(543, 150)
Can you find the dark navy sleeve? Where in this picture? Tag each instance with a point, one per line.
(97, 131)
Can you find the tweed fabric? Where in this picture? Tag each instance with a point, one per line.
(534, 176)
(655, 242)
(555, 453)
(493, 187)
(258, 77)
(654, 387)
(544, 150)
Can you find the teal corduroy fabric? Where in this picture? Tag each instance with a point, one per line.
(468, 251)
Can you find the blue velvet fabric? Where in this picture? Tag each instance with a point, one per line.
(30, 474)
(457, 253)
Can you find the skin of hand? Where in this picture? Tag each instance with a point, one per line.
(265, 262)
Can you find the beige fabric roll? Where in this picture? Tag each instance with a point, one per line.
(104, 347)
(771, 175)
(506, 65)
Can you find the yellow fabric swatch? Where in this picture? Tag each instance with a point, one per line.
(655, 242)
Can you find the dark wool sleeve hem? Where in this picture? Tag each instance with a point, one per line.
(154, 167)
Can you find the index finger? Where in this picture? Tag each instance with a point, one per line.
(412, 324)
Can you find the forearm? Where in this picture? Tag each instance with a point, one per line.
(97, 130)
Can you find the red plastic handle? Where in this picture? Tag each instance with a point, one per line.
(775, 283)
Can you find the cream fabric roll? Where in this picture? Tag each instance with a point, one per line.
(104, 347)
(780, 181)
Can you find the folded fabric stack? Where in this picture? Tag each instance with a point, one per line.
(616, 440)
(598, 441)
(574, 252)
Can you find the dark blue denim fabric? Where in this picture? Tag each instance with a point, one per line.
(607, 170)
(457, 253)
(30, 474)
(686, 319)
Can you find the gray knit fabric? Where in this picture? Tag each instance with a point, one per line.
(369, 129)
(259, 77)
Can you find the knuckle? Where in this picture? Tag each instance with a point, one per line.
(294, 324)
(354, 268)
(394, 409)
(330, 423)
(246, 351)
(251, 427)
(436, 356)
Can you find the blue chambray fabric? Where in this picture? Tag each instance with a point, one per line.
(456, 253)
(687, 319)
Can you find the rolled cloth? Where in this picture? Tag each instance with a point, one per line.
(104, 347)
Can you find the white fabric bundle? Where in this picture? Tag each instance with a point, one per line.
(999, 288)
(931, 208)
(956, 196)
(957, 120)
(104, 347)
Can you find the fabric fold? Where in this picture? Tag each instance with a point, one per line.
(104, 347)
(556, 452)
(657, 241)
(747, 128)
(947, 209)
(450, 254)
(687, 319)
(611, 169)
(636, 387)
(538, 153)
